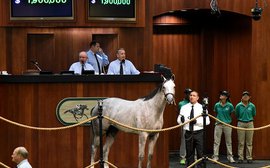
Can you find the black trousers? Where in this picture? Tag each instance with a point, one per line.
(194, 141)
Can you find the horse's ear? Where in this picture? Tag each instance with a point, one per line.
(173, 77)
(164, 79)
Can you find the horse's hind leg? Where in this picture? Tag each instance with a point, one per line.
(110, 135)
(151, 146)
(142, 141)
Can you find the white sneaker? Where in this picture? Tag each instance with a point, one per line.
(215, 158)
(230, 159)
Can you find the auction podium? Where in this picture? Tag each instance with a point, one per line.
(32, 100)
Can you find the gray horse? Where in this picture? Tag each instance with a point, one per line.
(146, 112)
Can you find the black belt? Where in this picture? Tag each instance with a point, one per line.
(198, 131)
(245, 121)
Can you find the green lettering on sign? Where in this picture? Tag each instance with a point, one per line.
(115, 2)
(47, 1)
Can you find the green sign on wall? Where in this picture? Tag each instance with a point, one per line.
(72, 110)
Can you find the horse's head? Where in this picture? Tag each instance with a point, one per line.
(168, 88)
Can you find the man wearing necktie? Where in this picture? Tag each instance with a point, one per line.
(194, 130)
(122, 66)
(97, 58)
(82, 71)
(80, 66)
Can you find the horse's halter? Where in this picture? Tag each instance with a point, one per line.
(169, 96)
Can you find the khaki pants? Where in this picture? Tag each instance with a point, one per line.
(245, 137)
(183, 144)
(219, 128)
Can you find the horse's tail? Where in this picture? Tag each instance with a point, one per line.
(92, 131)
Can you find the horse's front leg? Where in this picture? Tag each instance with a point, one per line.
(151, 146)
(94, 147)
(142, 140)
(95, 142)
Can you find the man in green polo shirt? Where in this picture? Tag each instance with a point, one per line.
(223, 109)
(245, 112)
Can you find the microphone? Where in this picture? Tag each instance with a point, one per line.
(36, 65)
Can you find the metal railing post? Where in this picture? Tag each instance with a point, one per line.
(100, 117)
(205, 106)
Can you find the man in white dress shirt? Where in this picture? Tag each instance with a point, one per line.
(19, 156)
(194, 129)
(81, 65)
(122, 66)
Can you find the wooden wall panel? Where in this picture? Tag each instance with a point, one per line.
(36, 44)
(259, 79)
(128, 39)
(3, 50)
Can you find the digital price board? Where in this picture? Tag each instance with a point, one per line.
(120, 10)
(41, 10)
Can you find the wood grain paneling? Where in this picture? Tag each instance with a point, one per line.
(3, 51)
(37, 44)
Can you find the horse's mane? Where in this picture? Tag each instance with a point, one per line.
(152, 94)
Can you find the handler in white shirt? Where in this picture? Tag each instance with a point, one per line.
(194, 129)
